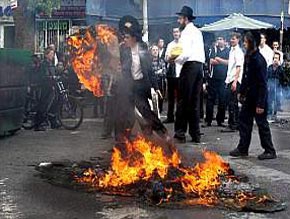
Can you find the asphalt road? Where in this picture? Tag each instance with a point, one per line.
(22, 195)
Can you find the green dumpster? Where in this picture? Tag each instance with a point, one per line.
(14, 64)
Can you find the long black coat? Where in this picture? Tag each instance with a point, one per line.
(254, 81)
(149, 78)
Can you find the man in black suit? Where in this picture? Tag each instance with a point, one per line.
(253, 96)
(134, 89)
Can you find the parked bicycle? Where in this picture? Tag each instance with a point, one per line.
(70, 109)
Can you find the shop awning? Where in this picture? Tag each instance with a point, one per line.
(236, 21)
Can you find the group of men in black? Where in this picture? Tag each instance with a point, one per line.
(247, 84)
(230, 74)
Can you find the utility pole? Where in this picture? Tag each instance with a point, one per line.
(145, 21)
(282, 30)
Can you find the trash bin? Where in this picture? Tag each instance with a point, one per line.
(14, 64)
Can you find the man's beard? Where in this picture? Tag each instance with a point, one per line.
(182, 26)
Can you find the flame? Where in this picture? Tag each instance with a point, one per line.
(204, 178)
(85, 59)
(141, 160)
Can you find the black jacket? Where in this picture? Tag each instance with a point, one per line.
(149, 77)
(254, 81)
(279, 74)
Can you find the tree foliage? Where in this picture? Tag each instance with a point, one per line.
(45, 7)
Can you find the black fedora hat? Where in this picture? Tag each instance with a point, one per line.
(130, 25)
(187, 12)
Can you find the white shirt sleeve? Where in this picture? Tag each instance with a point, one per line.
(239, 56)
(186, 49)
(168, 50)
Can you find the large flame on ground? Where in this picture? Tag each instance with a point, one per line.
(85, 55)
(144, 159)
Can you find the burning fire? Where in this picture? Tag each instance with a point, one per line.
(143, 159)
(86, 60)
(143, 168)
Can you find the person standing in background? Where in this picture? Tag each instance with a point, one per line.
(265, 50)
(172, 76)
(159, 69)
(233, 81)
(192, 59)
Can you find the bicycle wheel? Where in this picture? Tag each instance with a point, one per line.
(71, 113)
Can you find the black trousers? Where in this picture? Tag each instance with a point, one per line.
(109, 118)
(216, 90)
(172, 95)
(141, 95)
(47, 106)
(247, 115)
(131, 96)
(233, 107)
(188, 106)
(162, 88)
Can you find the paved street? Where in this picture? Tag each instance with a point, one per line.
(22, 195)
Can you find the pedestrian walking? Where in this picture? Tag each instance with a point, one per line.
(253, 96)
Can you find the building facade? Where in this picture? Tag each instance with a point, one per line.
(7, 28)
(62, 23)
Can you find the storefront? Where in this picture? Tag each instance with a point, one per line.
(62, 23)
(7, 29)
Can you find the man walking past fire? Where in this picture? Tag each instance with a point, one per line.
(253, 96)
(137, 81)
(192, 59)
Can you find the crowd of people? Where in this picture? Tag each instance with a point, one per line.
(246, 81)
(237, 76)
(42, 85)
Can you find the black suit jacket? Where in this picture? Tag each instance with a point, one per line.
(254, 82)
(149, 79)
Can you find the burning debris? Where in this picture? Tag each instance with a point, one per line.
(93, 51)
(142, 170)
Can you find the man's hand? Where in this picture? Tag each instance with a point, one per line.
(213, 62)
(259, 110)
(171, 59)
(234, 86)
(159, 94)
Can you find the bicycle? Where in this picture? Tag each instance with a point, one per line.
(69, 112)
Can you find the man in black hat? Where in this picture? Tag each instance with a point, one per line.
(191, 59)
(138, 79)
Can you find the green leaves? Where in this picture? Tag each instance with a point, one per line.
(44, 7)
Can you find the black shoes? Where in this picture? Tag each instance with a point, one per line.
(167, 121)
(196, 139)
(264, 156)
(222, 125)
(39, 129)
(267, 156)
(237, 153)
(228, 130)
(208, 124)
(180, 139)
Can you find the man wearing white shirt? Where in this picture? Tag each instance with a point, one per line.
(233, 81)
(192, 59)
(173, 72)
(265, 50)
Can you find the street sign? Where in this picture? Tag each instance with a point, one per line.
(6, 11)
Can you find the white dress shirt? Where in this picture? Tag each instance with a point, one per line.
(192, 45)
(170, 46)
(267, 53)
(136, 70)
(236, 59)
